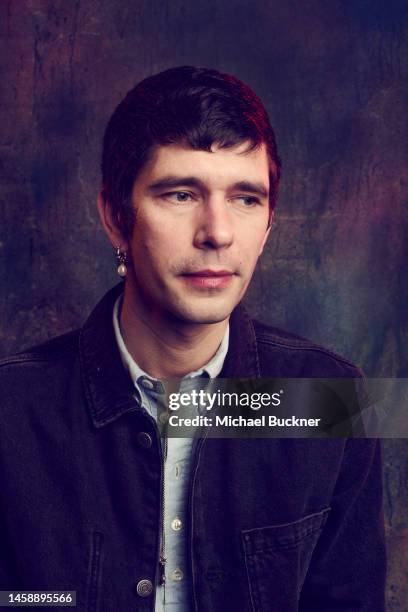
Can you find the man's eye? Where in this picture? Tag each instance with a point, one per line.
(178, 196)
(248, 200)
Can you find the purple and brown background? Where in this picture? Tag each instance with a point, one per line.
(332, 76)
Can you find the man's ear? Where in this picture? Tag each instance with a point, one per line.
(268, 230)
(111, 223)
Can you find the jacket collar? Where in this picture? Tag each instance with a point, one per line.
(108, 387)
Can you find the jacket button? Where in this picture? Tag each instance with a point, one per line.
(144, 588)
(144, 439)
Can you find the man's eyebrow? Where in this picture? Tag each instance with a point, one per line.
(249, 186)
(171, 181)
(175, 181)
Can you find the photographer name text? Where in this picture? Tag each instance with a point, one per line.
(240, 421)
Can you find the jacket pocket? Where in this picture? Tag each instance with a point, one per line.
(63, 560)
(277, 558)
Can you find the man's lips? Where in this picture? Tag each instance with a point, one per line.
(208, 279)
(209, 273)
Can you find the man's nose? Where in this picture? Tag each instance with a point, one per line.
(214, 227)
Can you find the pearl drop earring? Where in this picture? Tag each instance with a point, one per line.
(121, 257)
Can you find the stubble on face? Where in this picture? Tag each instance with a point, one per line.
(210, 231)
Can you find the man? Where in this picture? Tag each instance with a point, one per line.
(93, 499)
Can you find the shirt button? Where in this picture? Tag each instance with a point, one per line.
(146, 383)
(163, 417)
(177, 575)
(176, 524)
(177, 470)
(144, 439)
(144, 588)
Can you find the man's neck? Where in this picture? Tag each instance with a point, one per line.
(166, 347)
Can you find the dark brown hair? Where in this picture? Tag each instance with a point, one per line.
(196, 106)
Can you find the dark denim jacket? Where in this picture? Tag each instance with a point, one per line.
(274, 524)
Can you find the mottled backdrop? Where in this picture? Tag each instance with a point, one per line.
(333, 78)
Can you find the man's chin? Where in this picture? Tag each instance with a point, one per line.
(202, 315)
(209, 319)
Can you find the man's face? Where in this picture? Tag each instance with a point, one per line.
(201, 223)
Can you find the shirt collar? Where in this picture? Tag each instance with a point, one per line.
(107, 385)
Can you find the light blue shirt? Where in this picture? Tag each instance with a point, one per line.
(174, 596)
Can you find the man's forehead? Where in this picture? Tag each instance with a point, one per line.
(221, 165)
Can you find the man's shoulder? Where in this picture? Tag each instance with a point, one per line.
(298, 356)
(35, 382)
(52, 352)
(66, 347)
